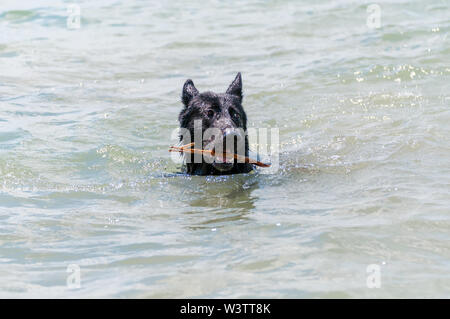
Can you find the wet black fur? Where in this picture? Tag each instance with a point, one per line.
(223, 111)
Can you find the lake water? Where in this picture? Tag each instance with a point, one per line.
(359, 206)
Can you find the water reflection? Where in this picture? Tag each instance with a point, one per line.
(218, 201)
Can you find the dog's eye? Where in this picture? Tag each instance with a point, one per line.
(210, 113)
(234, 114)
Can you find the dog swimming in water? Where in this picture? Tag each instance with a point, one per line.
(217, 123)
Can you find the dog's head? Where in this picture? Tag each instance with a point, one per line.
(222, 122)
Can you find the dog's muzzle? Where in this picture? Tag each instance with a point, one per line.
(231, 144)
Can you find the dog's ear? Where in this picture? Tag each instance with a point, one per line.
(189, 91)
(235, 87)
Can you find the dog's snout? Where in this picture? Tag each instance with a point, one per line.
(232, 140)
(232, 134)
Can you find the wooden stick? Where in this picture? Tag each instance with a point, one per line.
(188, 145)
(188, 149)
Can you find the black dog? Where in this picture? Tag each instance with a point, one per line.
(223, 114)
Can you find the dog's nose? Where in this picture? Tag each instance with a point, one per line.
(231, 134)
(232, 138)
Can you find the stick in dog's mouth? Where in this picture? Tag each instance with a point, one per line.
(224, 157)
